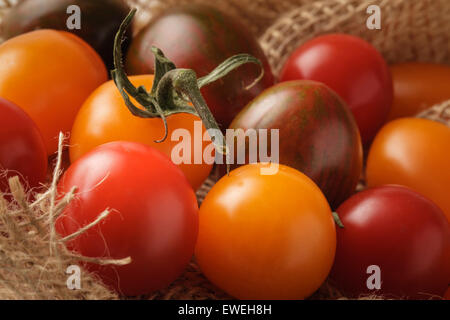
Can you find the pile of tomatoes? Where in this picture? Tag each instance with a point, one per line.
(339, 108)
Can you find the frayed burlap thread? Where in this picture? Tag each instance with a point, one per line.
(33, 258)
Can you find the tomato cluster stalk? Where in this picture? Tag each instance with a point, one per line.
(174, 90)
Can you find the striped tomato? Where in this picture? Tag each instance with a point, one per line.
(317, 134)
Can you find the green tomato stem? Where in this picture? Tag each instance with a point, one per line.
(173, 88)
(338, 220)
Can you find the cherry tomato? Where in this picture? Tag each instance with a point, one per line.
(22, 149)
(415, 153)
(154, 218)
(351, 67)
(201, 37)
(266, 236)
(396, 234)
(100, 20)
(447, 294)
(49, 74)
(104, 117)
(418, 86)
(317, 134)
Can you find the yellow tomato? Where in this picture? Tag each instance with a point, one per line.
(266, 236)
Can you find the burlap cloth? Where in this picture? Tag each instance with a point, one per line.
(32, 260)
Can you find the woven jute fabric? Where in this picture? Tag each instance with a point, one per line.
(33, 265)
(34, 261)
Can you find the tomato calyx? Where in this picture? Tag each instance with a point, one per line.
(173, 88)
(338, 220)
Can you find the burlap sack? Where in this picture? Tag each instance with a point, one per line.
(33, 267)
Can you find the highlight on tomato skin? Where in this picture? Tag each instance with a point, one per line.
(52, 74)
(266, 236)
(153, 218)
(104, 118)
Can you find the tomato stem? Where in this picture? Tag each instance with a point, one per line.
(338, 220)
(173, 88)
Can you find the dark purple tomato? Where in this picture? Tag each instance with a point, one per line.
(100, 20)
(200, 38)
(22, 148)
(397, 235)
(354, 69)
(317, 134)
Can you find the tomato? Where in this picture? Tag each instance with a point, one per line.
(200, 38)
(49, 74)
(415, 153)
(100, 20)
(317, 134)
(399, 231)
(418, 86)
(104, 117)
(154, 218)
(351, 67)
(266, 236)
(22, 149)
(447, 294)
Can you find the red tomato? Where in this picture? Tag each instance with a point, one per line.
(154, 219)
(447, 294)
(351, 67)
(22, 148)
(403, 233)
(258, 239)
(104, 117)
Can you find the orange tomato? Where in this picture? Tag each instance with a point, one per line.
(415, 153)
(49, 74)
(104, 118)
(266, 236)
(418, 86)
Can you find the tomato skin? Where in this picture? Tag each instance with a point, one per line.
(200, 38)
(38, 73)
(104, 118)
(447, 294)
(400, 231)
(22, 149)
(418, 86)
(259, 240)
(351, 67)
(100, 20)
(154, 217)
(317, 134)
(415, 153)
